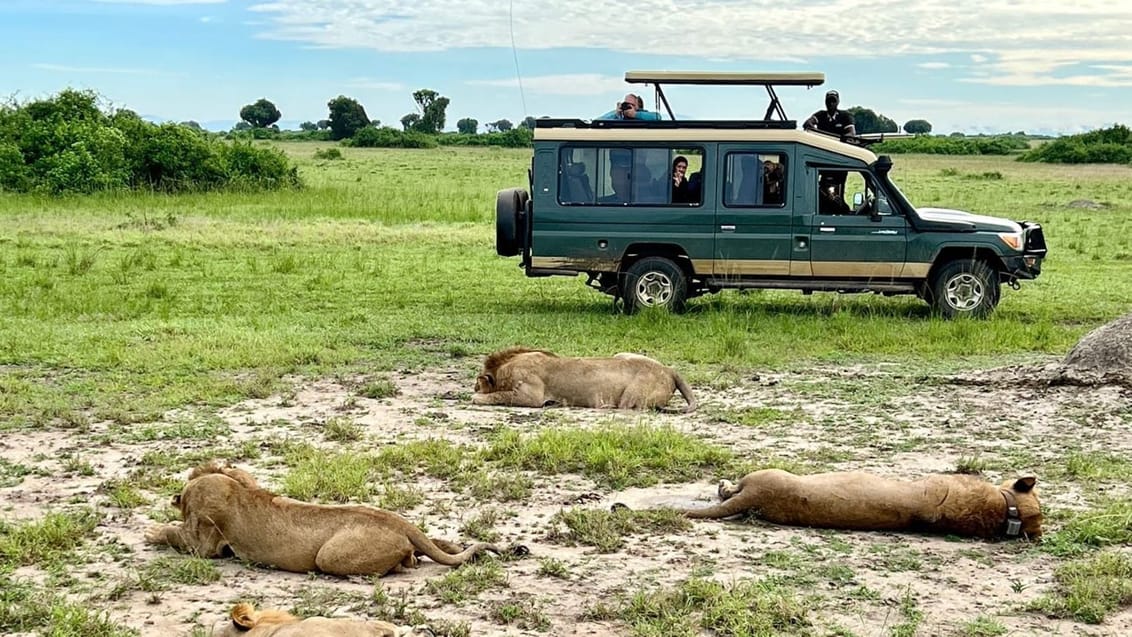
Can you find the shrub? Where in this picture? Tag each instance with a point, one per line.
(328, 153)
(386, 137)
(67, 144)
(1102, 146)
(952, 145)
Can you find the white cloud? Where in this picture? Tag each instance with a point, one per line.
(62, 68)
(206, 19)
(566, 84)
(1029, 47)
(931, 66)
(374, 85)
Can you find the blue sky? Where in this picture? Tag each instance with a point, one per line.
(974, 66)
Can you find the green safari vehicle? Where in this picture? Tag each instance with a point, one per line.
(657, 212)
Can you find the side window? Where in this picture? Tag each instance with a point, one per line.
(845, 192)
(754, 180)
(624, 176)
(577, 170)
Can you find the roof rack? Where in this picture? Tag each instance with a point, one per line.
(726, 124)
(722, 78)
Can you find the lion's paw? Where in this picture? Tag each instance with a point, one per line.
(155, 534)
(726, 489)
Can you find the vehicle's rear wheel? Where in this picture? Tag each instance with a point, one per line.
(510, 221)
(964, 288)
(654, 282)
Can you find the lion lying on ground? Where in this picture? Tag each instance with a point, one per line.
(947, 503)
(246, 621)
(225, 513)
(522, 377)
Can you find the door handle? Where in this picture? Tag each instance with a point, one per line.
(883, 232)
(727, 228)
(827, 229)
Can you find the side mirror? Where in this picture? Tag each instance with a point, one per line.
(858, 199)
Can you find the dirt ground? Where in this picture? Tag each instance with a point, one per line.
(870, 418)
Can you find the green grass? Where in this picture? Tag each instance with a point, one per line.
(467, 581)
(746, 608)
(45, 541)
(109, 318)
(615, 455)
(1089, 589)
(1107, 524)
(606, 530)
(25, 609)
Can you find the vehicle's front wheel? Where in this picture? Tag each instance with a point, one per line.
(654, 282)
(964, 288)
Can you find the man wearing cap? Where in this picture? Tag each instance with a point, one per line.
(832, 120)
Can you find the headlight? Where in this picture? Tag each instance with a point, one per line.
(1012, 239)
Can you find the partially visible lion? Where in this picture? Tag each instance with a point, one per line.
(246, 621)
(524, 377)
(945, 503)
(226, 513)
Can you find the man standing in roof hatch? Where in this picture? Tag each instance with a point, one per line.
(832, 120)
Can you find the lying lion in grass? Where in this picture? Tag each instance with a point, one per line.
(225, 513)
(246, 621)
(522, 377)
(946, 503)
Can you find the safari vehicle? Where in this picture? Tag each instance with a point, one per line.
(763, 205)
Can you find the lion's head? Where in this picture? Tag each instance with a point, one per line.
(1029, 510)
(244, 619)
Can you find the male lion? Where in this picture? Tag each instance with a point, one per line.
(953, 504)
(246, 621)
(524, 377)
(225, 513)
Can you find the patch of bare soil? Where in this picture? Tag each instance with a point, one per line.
(871, 419)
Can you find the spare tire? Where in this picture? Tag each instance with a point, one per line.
(510, 216)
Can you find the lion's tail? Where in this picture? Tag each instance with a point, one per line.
(686, 391)
(425, 545)
(729, 507)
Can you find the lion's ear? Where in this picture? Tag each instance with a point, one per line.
(1025, 485)
(243, 616)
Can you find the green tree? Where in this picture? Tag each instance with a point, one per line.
(261, 114)
(867, 121)
(528, 122)
(323, 124)
(432, 106)
(501, 125)
(412, 121)
(193, 125)
(467, 126)
(917, 126)
(347, 117)
(308, 126)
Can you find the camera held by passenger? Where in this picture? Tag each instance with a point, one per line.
(624, 106)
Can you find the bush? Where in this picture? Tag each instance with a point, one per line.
(328, 153)
(386, 137)
(1102, 146)
(954, 145)
(513, 138)
(67, 144)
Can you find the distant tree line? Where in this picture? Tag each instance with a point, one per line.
(348, 123)
(68, 144)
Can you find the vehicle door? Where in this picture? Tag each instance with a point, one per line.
(854, 232)
(754, 211)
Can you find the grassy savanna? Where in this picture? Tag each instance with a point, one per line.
(120, 308)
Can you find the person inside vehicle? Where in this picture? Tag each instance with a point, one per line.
(681, 189)
(632, 107)
(832, 120)
(772, 182)
(831, 197)
(620, 177)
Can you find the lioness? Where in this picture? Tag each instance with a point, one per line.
(953, 504)
(246, 621)
(524, 377)
(225, 512)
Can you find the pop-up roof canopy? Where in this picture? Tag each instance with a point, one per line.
(717, 78)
